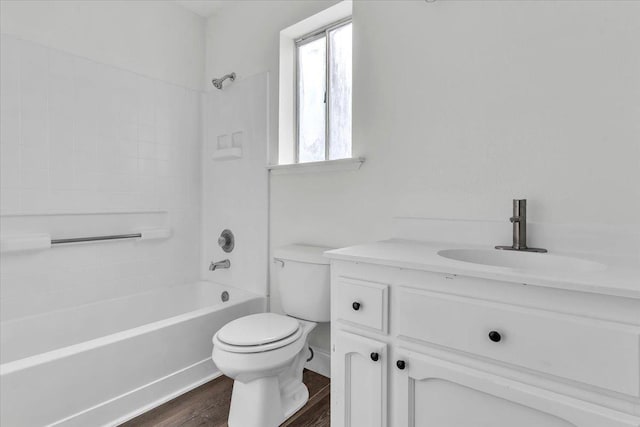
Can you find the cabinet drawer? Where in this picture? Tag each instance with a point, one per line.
(599, 353)
(361, 302)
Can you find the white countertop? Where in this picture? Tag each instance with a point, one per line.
(620, 277)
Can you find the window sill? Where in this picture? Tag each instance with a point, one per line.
(350, 164)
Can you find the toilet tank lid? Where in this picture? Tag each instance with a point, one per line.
(302, 253)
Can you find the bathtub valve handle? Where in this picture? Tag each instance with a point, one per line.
(226, 240)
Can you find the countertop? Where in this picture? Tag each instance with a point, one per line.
(620, 277)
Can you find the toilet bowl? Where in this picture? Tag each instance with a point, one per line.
(265, 353)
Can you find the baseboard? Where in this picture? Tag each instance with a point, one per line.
(145, 398)
(321, 362)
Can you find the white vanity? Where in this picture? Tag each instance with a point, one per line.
(445, 335)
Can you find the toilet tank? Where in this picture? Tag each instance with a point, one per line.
(302, 278)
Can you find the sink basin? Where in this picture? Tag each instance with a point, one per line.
(528, 261)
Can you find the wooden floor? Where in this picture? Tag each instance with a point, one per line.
(208, 405)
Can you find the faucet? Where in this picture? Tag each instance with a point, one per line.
(220, 264)
(519, 221)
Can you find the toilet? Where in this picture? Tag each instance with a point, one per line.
(265, 353)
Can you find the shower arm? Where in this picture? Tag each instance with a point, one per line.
(217, 83)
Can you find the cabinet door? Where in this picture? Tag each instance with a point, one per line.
(358, 381)
(430, 392)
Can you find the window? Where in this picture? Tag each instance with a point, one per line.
(323, 94)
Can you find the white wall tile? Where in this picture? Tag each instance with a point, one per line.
(61, 134)
(147, 150)
(61, 178)
(147, 167)
(87, 160)
(78, 137)
(34, 130)
(35, 200)
(86, 179)
(61, 95)
(34, 157)
(9, 201)
(34, 179)
(10, 164)
(9, 175)
(146, 133)
(10, 130)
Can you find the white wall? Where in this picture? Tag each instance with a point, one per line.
(460, 107)
(91, 148)
(157, 39)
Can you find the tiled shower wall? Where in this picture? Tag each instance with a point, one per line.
(87, 143)
(235, 192)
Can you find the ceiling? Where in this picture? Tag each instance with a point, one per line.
(203, 8)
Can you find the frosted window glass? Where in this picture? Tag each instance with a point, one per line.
(340, 72)
(311, 102)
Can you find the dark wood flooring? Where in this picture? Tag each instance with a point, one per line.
(208, 405)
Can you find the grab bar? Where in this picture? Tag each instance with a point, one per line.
(95, 238)
(44, 241)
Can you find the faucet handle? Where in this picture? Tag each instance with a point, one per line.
(226, 240)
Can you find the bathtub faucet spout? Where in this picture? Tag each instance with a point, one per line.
(220, 264)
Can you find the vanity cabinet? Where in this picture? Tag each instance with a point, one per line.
(417, 348)
(433, 392)
(359, 388)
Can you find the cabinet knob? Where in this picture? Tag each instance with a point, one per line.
(356, 306)
(401, 364)
(495, 336)
(375, 356)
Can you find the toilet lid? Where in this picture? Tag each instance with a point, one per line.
(258, 329)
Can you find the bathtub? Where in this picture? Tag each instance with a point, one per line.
(104, 363)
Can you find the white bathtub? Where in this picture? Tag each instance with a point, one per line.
(103, 363)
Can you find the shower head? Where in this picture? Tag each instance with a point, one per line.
(217, 83)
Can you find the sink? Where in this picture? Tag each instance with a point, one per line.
(527, 261)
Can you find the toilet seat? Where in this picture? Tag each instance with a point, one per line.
(258, 333)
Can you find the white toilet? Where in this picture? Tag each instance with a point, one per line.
(265, 353)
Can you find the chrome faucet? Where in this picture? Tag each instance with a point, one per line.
(220, 264)
(519, 221)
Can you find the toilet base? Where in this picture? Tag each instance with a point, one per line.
(259, 403)
(256, 403)
(293, 402)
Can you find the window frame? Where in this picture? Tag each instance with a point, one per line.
(301, 41)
